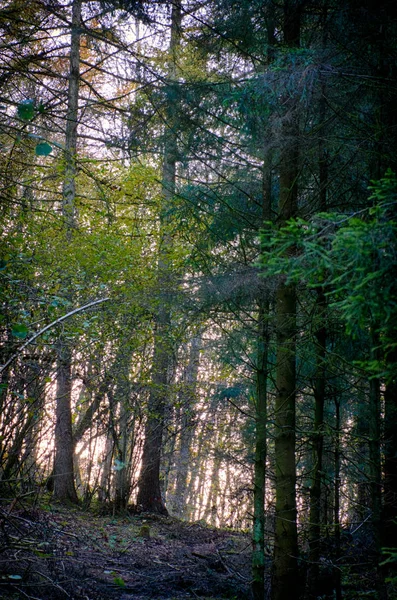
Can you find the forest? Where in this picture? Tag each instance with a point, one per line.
(198, 327)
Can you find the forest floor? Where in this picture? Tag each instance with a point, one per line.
(54, 553)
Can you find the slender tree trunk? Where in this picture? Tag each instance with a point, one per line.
(198, 469)
(285, 563)
(149, 490)
(211, 509)
(375, 466)
(258, 537)
(122, 485)
(104, 482)
(187, 427)
(258, 533)
(389, 519)
(64, 487)
(318, 443)
(69, 183)
(122, 396)
(34, 391)
(337, 571)
(319, 385)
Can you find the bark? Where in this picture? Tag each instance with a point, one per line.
(104, 482)
(285, 563)
(389, 518)
(318, 443)
(258, 533)
(64, 486)
(122, 481)
(34, 390)
(337, 486)
(285, 567)
(258, 536)
(122, 484)
(319, 385)
(69, 183)
(149, 496)
(375, 473)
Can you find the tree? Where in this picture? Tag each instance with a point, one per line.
(149, 495)
(285, 565)
(64, 485)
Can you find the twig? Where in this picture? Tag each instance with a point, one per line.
(230, 570)
(53, 583)
(361, 524)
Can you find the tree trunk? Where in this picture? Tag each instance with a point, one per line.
(318, 443)
(187, 423)
(149, 490)
(320, 382)
(375, 466)
(64, 487)
(258, 536)
(106, 472)
(69, 183)
(389, 519)
(337, 571)
(285, 563)
(258, 532)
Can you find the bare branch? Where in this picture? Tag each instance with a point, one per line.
(47, 327)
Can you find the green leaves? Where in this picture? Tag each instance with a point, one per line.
(43, 149)
(353, 259)
(26, 110)
(19, 331)
(119, 581)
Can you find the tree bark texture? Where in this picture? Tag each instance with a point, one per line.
(69, 183)
(258, 537)
(317, 451)
(149, 490)
(64, 486)
(389, 519)
(285, 575)
(258, 532)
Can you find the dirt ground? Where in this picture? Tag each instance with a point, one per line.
(57, 553)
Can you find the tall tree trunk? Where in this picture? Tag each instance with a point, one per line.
(320, 380)
(258, 532)
(149, 496)
(285, 564)
(64, 486)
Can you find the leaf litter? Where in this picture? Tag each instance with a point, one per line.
(59, 553)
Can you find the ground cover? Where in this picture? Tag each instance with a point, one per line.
(56, 553)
